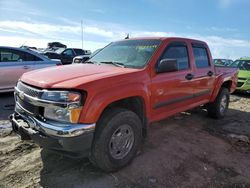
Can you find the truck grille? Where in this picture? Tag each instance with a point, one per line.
(33, 92)
(29, 108)
(239, 84)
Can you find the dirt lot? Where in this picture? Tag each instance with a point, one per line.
(188, 150)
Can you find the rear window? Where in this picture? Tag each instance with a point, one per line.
(201, 57)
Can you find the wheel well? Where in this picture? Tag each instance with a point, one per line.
(136, 105)
(227, 85)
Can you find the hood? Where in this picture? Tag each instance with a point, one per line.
(76, 74)
(244, 74)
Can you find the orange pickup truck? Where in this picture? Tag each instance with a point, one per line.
(101, 109)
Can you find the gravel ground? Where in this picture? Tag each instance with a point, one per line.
(188, 150)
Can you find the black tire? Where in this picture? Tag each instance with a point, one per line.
(215, 109)
(110, 122)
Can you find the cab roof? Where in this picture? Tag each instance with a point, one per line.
(165, 38)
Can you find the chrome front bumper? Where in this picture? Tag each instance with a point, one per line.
(70, 141)
(48, 127)
(74, 140)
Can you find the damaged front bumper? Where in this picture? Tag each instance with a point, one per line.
(74, 141)
(71, 139)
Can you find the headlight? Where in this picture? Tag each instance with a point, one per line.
(63, 114)
(61, 96)
(70, 113)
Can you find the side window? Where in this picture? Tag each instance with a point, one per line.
(30, 57)
(79, 52)
(7, 55)
(68, 52)
(179, 53)
(201, 57)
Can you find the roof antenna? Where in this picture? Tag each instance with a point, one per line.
(127, 37)
(24, 43)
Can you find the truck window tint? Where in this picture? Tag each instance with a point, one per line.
(179, 53)
(201, 57)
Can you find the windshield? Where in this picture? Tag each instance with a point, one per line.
(241, 64)
(130, 53)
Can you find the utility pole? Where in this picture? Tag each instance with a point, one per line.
(82, 32)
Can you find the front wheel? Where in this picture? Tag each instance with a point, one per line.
(117, 138)
(219, 107)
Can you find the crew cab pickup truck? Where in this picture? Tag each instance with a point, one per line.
(101, 109)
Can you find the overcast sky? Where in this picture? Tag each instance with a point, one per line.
(223, 24)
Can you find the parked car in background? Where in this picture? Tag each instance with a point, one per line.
(83, 58)
(223, 62)
(243, 65)
(56, 44)
(65, 55)
(16, 61)
(53, 53)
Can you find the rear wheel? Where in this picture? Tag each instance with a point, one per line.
(117, 138)
(219, 107)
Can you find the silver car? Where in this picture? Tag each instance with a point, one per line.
(16, 61)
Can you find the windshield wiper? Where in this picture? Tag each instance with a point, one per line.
(118, 64)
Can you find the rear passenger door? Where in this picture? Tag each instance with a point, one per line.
(203, 73)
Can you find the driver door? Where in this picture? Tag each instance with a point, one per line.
(172, 92)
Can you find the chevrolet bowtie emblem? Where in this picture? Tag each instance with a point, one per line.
(21, 95)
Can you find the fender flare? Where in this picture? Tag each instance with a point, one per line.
(95, 105)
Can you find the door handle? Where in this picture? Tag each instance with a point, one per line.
(210, 73)
(26, 67)
(189, 76)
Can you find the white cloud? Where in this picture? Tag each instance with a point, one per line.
(15, 33)
(53, 30)
(16, 41)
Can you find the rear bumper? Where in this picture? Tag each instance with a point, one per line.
(51, 136)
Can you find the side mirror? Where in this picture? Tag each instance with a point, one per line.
(167, 65)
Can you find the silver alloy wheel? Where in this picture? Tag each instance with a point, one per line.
(223, 104)
(121, 141)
